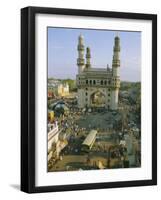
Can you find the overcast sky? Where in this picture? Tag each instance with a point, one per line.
(62, 51)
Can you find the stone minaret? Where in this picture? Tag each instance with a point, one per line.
(116, 57)
(88, 58)
(80, 60)
(115, 74)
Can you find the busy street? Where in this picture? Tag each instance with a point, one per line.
(116, 144)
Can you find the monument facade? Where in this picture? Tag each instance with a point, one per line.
(97, 87)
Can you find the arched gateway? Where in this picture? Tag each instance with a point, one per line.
(97, 87)
(98, 99)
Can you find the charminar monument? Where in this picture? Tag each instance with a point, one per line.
(98, 87)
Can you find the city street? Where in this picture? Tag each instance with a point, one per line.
(75, 128)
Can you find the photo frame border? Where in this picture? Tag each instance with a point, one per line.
(28, 98)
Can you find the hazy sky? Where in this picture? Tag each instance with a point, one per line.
(62, 51)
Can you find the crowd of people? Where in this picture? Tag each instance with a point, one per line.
(75, 134)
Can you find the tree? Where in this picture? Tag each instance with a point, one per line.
(71, 83)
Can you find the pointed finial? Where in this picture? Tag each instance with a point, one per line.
(117, 35)
(80, 35)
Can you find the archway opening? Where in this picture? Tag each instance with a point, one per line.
(97, 99)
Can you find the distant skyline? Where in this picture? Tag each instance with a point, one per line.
(63, 54)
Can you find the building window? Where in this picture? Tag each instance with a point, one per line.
(90, 82)
(86, 81)
(86, 99)
(109, 94)
(94, 82)
(101, 82)
(105, 82)
(108, 100)
(86, 88)
(109, 89)
(86, 93)
(109, 82)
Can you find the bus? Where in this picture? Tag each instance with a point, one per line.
(89, 141)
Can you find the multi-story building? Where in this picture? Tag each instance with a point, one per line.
(58, 89)
(63, 89)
